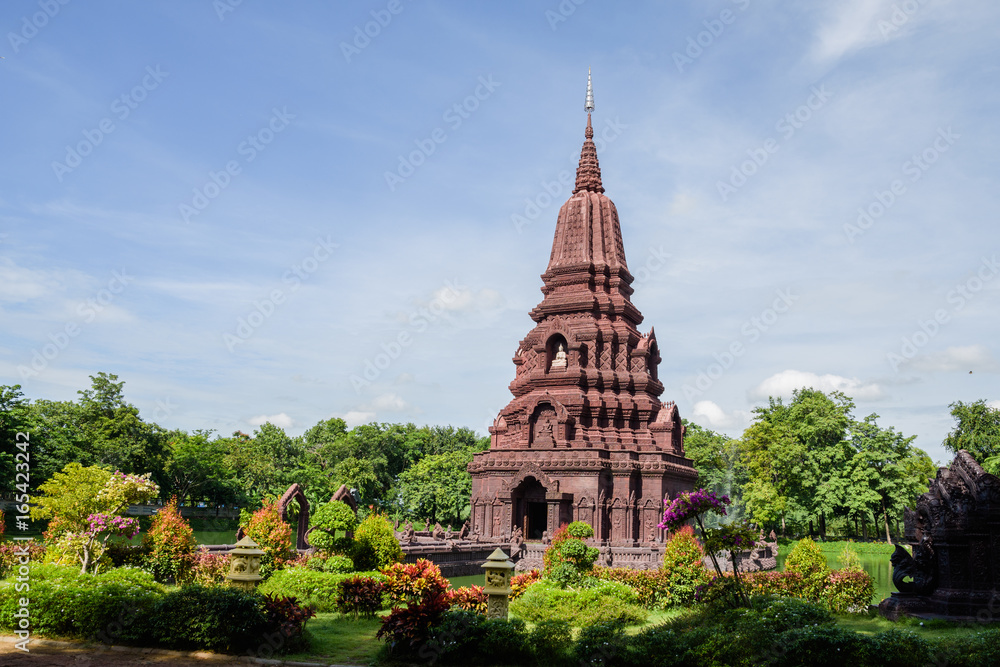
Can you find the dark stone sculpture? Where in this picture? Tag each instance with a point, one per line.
(954, 531)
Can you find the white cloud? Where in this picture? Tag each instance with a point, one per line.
(784, 383)
(851, 26)
(357, 417)
(389, 402)
(962, 359)
(281, 420)
(993, 404)
(18, 284)
(710, 415)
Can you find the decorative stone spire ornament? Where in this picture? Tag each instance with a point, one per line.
(588, 173)
(589, 104)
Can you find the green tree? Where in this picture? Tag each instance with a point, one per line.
(197, 468)
(796, 456)
(118, 437)
(717, 459)
(977, 430)
(266, 463)
(887, 472)
(330, 519)
(15, 417)
(438, 488)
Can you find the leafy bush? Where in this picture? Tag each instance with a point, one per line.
(286, 617)
(599, 643)
(169, 545)
(651, 586)
(208, 568)
(581, 606)
(331, 518)
(216, 618)
(375, 544)
(471, 598)
(825, 646)
(551, 642)
(848, 591)
(406, 629)
(319, 590)
(783, 584)
(410, 582)
(464, 638)
(568, 558)
(849, 559)
(683, 563)
(124, 554)
(273, 536)
(807, 560)
(902, 648)
(338, 564)
(130, 576)
(520, 582)
(360, 595)
(10, 555)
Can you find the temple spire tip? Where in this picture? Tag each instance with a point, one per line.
(589, 104)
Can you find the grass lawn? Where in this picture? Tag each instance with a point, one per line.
(930, 630)
(337, 638)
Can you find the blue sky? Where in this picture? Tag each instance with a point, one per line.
(254, 211)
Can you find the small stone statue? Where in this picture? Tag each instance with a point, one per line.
(438, 532)
(560, 360)
(516, 540)
(407, 533)
(464, 533)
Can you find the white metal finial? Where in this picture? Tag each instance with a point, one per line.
(589, 106)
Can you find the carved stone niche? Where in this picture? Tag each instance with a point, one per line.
(954, 572)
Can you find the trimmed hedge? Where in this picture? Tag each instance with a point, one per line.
(126, 606)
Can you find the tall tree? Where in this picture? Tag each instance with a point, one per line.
(977, 430)
(15, 417)
(438, 487)
(887, 472)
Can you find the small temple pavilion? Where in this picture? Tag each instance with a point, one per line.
(586, 436)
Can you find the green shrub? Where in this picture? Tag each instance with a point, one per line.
(169, 545)
(215, 618)
(551, 642)
(338, 564)
(580, 607)
(825, 646)
(849, 559)
(651, 586)
(600, 643)
(124, 554)
(110, 611)
(902, 648)
(10, 555)
(807, 559)
(375, 544)
(467, 638)
(319, 590)
(683, 563)
(981, 649)
(849, 591)
(130, 576)
(568, 559)
(331, 518)
(658, 646)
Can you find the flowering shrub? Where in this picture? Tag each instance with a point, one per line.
(409, 582)
(273, 536)
(520, 582)
(86, 507)
(689, 505)
(170, 545)
(360, 595)
(471, 598)
(733, 538)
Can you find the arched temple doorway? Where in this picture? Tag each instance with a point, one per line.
(530, 509)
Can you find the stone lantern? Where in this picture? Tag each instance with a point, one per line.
(244, 564)
(498, 572)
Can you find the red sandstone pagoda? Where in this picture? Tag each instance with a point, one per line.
(586, 437)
